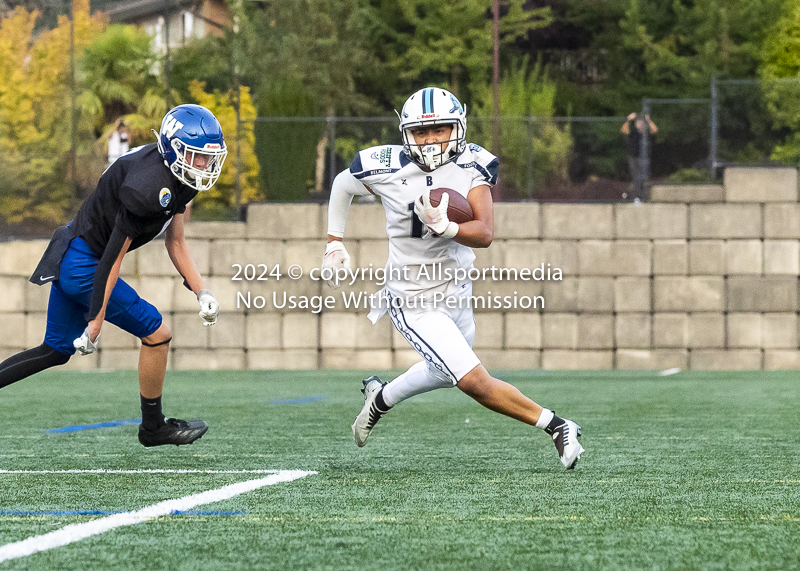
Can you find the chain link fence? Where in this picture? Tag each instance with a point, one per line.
(579, 159)
(562, 158)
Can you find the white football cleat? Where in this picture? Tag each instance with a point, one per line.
(369, 415)
(565, 437)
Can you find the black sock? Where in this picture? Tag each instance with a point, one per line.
(152, 417)
(380, 404)
(29, 363)
(555, 423)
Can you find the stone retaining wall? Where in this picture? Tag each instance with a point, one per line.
(676, 284)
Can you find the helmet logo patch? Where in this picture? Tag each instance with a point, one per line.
(164, 197)
(428, 116)
(171, 124)
(456, 105)
(212, 146)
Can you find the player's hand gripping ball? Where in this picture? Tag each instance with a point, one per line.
(442, 210)
(335, 257)
(459, 210)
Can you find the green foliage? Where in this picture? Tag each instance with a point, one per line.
(303, 58)
(223, 105)
(35, 130)
(312, 47)
(688, 176)
(207, 60)
(288, 151)
(781, 70)
(450, 43)
(115, 72)
(540, 142)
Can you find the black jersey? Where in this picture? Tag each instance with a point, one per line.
(138, 194)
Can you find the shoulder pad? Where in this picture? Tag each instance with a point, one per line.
(478, 158)
(374, 161)
(147, 191)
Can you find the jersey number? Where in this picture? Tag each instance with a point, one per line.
(416, 223)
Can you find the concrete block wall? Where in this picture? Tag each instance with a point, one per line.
(691, 284)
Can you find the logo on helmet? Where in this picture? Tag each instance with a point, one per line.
(456, 105)
(171, 124)
(428, 116)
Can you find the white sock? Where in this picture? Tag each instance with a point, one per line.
(414, 381)
(545, 418)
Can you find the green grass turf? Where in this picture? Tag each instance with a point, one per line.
(693, 471)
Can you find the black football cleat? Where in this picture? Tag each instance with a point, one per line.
(175, 431)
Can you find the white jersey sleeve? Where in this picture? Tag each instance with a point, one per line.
(345, 187)
(375, 165)
(483, 165)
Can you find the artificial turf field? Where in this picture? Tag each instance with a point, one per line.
(691, 471)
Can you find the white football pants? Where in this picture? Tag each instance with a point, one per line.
(443, 337)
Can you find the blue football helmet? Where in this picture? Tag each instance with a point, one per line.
(192, 145)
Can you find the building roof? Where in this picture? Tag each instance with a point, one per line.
(133, 10)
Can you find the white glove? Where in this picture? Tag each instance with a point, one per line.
(84, 343)
(335, 257)
(435, 217)
(209, 308)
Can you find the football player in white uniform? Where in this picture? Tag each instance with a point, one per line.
(434, 154)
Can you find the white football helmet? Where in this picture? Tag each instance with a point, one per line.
(433, 106)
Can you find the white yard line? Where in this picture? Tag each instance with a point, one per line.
(155, 471)
(78, 531)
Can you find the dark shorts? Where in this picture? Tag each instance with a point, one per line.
(69, 302)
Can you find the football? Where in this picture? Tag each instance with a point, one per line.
(459, 210)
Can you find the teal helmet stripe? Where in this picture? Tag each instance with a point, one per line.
(427, 100)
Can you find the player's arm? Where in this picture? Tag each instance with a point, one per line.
(178, 251)
(478, 232)
(344, 188)
(105, 278)
(175, 241)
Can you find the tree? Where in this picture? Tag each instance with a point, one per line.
(304, 59)
(780, 70)
(524, 94)
(35, 98)
(450, 43)
(223, 194)
(115, 73)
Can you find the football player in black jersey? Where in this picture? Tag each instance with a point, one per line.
(141, 195)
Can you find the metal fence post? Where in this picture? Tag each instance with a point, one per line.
(331, 152)
(644, 150)
(530, 158)
(712, 159)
